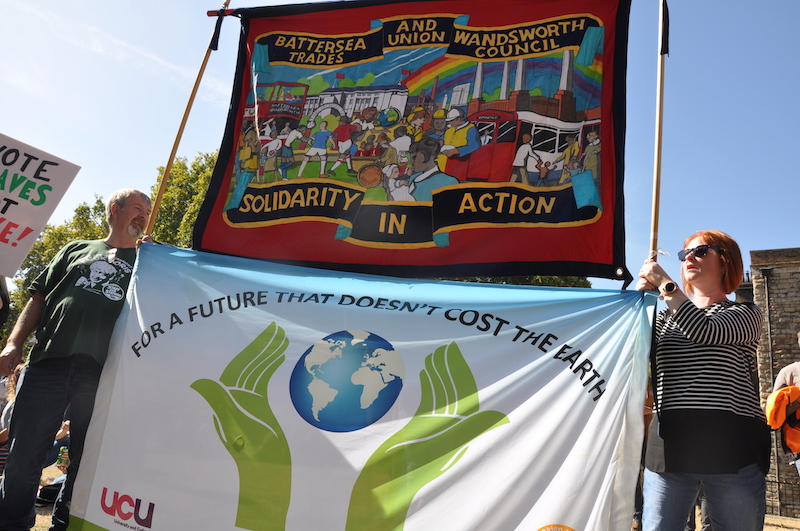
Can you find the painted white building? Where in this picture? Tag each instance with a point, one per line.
(351, 101)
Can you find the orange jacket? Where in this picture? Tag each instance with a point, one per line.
(776, 415)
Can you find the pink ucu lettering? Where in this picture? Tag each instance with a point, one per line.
(121, 506)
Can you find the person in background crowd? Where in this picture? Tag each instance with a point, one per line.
(5, 301)
(789, 376)
(61, 441)
(73, 327)
(705, 518)
(6, 395)
(10, 390)
(709, 428)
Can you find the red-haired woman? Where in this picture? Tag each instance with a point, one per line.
(710, 429)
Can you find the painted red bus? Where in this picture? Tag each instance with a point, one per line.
(500, 135)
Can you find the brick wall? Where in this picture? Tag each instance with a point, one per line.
(776, 290)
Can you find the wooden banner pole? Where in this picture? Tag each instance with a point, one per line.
(168, 168)
(663, 37)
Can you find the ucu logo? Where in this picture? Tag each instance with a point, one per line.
(121, 506)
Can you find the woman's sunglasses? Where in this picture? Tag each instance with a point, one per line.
(700, 251)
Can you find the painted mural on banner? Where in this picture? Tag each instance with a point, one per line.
(242, 394)
(32, 182)
(426, 138)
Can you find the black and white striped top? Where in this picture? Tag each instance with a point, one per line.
(706, 358)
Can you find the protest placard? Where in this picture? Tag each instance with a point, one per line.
(32, 183)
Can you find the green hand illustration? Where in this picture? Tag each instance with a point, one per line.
(435, 438)
(251, 433)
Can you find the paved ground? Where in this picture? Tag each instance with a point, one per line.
(775, 523)
(772, 523)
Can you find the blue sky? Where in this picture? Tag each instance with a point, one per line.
(104, 85)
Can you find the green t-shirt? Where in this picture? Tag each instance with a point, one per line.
(84, 289)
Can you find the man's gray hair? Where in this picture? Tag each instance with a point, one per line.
(120, 197)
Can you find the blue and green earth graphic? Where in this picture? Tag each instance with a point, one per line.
(347, 381)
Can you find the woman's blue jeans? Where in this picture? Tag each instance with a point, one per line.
(47, 388)
(736, 502)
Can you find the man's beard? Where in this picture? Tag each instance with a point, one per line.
(134, 231)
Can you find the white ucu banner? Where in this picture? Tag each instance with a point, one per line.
(241, 394)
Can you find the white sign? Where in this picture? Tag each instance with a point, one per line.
(240, 394)
(32, 183)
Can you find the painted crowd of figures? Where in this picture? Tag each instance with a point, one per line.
(402, 161)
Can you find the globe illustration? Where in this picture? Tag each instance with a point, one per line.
(346, 381)
(388, 117)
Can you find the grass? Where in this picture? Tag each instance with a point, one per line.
(44, 516)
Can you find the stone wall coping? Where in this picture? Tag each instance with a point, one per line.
(775, 257)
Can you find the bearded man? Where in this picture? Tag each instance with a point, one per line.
(73, 318)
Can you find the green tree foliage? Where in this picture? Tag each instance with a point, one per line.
(182, 198)
(494, 96)
(535, 280)
(315, 85)
(366, 81)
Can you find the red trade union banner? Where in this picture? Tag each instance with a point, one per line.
(435, 138)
